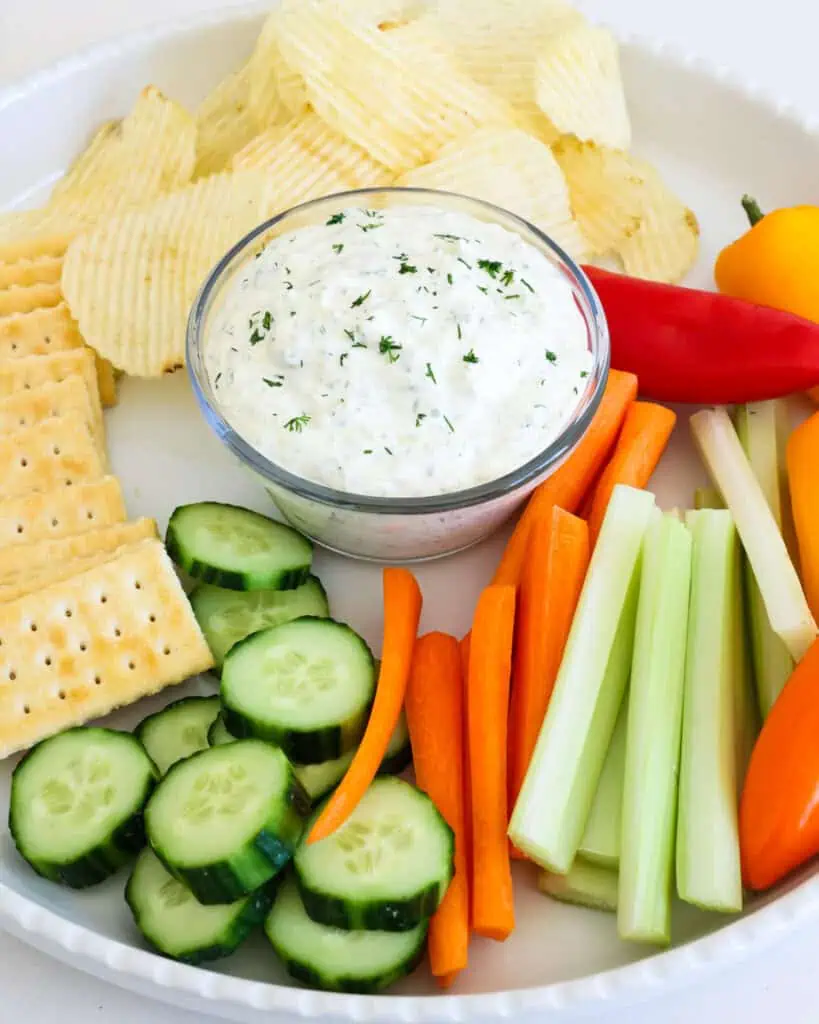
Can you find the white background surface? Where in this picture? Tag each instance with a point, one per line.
(777, 52)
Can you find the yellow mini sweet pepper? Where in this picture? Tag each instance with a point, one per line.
(776, 263)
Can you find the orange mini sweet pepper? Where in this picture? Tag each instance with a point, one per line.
(776, 262)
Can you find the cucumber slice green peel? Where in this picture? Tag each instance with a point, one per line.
(653, 735)
(178, 926)
(585, 885)
(177, 731)
(386, 869)
(707, 854)
(235, 548)
(321, 779)
(227, 820)
(228, 616)
(76, 804)
(335, 960)
(307, 686)
(558, 791)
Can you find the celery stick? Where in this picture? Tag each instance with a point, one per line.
(653, 735)
(601, 840)
(778, 582)
(585, 885)
(557, 793)
(746, 702)
(708, 497)
(708, 866)
(759, 430)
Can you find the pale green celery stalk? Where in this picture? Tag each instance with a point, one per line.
(708, 865)
(759, 429)
(601, 839)
(708, 497)
(557, 793)
(778, 582)
(585, 885)
(653, 735)
(746, 697)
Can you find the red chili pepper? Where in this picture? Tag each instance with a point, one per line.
(686, 345)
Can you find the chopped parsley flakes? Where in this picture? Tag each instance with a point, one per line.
(337, 218)
(389, 348)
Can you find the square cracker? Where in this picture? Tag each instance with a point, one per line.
(68, 398)
(23, 560)
(32, 371)
(49, 515)
(81, 648)
(45, 270)
(46, 575)
(23, 299)
(49, 330)
(57, 452)
(38, 333)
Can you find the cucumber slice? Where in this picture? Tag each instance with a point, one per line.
(228, 616)
(388, 866)
(177, 925)
(337, 960)
(76, 804)
(236, 548)
(218, 734)
(321, 779)
(585, 885)
(179, 730)
(226, 820)
(307, 686)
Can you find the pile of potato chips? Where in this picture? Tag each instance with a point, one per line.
(518, 102)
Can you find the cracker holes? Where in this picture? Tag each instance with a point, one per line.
(55, 522)
(103, 599)
(14, 346)
(22, 421)
(20, 527)
(137, 585)
(12, 675)
(27, 386)
(33, 627)
(89, 514)
(166, 650)
(24, 463)
(152, 617)
(61, 694)
(117, 632)
(97, 681)
(67, 613)
(26, 709)
(131, 666)
(56, 449)
(83, 646)
(47, 661)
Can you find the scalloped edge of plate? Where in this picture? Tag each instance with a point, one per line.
(673, 968)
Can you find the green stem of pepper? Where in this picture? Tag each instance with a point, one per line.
(752, 208)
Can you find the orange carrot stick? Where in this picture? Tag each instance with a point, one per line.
(490, 662)
(464, 647)
(803, 477)
(402, 610)
(556, 562)
(643, 439)
(567, 485)
(435, 717)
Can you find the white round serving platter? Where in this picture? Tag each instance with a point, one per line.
(714, 140)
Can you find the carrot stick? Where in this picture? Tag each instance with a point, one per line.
(567, 485)
(643, 439)
(490, 661)
(556, 562)
(434, 706)
(803, 477)
(402, 610)
(464, 647)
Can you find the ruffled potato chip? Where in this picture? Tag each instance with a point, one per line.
(579, 88)
(513, 170)
(396, 100)
(147, 153)
(664, 245)
(130, 281)
(309, 144)
(607, 189)
(497, 42)
(275, 92)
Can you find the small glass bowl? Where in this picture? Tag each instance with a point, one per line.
(396, 529)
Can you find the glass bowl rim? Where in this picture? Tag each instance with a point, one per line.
(479, 494)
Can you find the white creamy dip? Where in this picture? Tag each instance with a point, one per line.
(409, 351)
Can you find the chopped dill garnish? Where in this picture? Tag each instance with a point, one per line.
(470, 357)
(507, 278)
(492, 267)
(430, 374)
(361, 299)
(450, 238)
(342, 357)
(458, 329)
(297, 424)
(419, 419)
(338, 247)
(449, 424)
(526, 284)
(515, 296)
(467, 265)
(407, 268)
(387, 450)
(337, 218)
(389, 348)
(551, 356)
(275, 383)
(449, 279)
